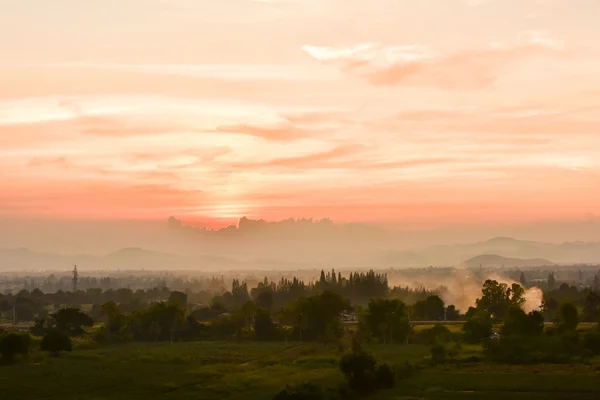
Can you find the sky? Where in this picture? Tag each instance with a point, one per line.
(421, 114)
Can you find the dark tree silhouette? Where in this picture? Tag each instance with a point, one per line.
(12, 344)
(56, 341)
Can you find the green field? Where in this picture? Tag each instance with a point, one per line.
(253, 371)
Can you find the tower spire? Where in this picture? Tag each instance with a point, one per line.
(75, 279)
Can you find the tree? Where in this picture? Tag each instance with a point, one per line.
(322, 280)
(496, 297)
(72, 321)
(478, 327)
(438, 352)
(265, 299)
(516, 295)
(591, 308)
(264, 328)
(12, 344)
(430, 309)
(178, 298)
(359, 370)
(386, 320)
(364, 375)
(568, 316)
(56, 341)
(517, 322)
(522, 280)
(115, 320)
(239, 292)
(452, 314)
(551, 281)
(318, 317)
(160, 321)
(436, 334)
(40, 326)
(550, 308)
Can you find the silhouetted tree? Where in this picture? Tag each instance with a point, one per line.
(56, 341)
(517, 322)
(430, 309)
(522, 280)
(386, 320)
(551, 281)
(72, 321)
(179, 298)
(568, 316)
(264, 328)
(478, 327)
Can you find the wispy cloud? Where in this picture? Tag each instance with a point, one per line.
(417, 65)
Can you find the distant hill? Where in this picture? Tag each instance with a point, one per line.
(494, 260)
(125, 259)
(299, 244)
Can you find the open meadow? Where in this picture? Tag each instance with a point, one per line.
(256, 371)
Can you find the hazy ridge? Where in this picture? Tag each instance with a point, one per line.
(296, 244)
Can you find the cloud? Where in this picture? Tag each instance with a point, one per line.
(280, 132)
(96, 199)
(527, 125)
(234, 72)
(313, 160)
(418, 65)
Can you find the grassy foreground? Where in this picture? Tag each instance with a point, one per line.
(253, 371)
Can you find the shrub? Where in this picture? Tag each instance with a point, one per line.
(556, 349)
(438, 334)
(363, 375)
(385, 377)
(591, 341)
(438, 353)
(12, 344)
(305, 391)
(359, 370)
(587, 355)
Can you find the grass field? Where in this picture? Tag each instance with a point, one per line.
(253, 371)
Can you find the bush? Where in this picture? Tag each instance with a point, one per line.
(385, 377)
(591, 341)
(556, 349)
(438, 334)
(405, 370)
(438, 353)
(307, 391)
(359, 370)
(587, 355)
(363, 375)
(12, 344)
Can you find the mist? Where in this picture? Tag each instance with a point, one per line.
(285, 245)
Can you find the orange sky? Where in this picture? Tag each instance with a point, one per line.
(428, 113)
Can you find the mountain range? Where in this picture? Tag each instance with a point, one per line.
(305, 244)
